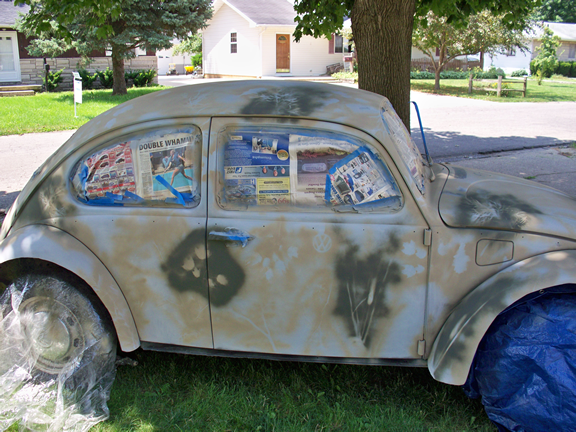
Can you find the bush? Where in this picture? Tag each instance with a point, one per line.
(52, 80)
(491, 73)
(519, 73)
(144, 78)
(130, 75)
(87, 79)
(197, 60)
(566, 68)
(342, 76)
(418, 74)
(106, 78)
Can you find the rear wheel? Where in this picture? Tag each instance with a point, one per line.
(525, 367)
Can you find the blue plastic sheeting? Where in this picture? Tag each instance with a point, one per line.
(525, 368)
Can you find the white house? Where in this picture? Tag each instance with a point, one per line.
(516, 60)
(254, 38)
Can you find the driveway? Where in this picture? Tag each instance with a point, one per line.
(456, 127)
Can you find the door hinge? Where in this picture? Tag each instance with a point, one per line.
(427, 237)
(421, 347)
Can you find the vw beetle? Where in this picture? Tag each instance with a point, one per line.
(275, 219)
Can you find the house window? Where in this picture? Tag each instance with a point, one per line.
(233, 43)
(338, 43)
(511, 52)
(572, 51)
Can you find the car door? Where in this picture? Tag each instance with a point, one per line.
(315, 244)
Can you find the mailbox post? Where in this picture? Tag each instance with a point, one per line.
(77, 90)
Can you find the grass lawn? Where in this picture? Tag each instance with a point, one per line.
(549, 91)
(46, 112)
(171, 392)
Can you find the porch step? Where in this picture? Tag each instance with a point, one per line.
(16, 93)
(15, 87)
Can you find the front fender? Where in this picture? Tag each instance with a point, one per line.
(53, 245)
(456, 343)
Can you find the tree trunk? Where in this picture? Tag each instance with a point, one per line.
(437, 79)
(383, 35)
(119, 87)
(482, 60)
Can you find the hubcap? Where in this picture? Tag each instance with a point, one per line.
(53, 334)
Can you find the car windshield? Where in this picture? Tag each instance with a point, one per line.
(406, 147)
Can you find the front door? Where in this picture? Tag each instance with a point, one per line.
(282, 53)
(9, 58)
(326, 245)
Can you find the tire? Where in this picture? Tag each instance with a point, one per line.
(60, 337)
(525, 367)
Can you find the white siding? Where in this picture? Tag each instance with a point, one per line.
(309, 57)
(217, 57)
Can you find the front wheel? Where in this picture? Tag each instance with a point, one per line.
(525, 367)
(55, 337)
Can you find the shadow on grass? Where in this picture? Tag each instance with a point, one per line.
(178, 392)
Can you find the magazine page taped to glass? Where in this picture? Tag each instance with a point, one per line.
(156, 168)
(296, 168)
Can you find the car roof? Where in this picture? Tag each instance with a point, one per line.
(296, 99)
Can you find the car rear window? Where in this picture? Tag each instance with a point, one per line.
(152, 168)
(277, 167)
(406, 147)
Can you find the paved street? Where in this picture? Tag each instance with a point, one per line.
(463, 131)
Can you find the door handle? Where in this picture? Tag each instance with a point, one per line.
(232, 235)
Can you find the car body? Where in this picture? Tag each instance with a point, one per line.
(302, 223)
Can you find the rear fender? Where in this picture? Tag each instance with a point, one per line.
(55, 246)
(456, 344)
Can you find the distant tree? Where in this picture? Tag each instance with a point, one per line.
(383, 34)
(556, 11)
(191, 45)
(485, 33)
(546, 61)
(118, 25)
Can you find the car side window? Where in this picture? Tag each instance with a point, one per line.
(272, 168)
(154, 168)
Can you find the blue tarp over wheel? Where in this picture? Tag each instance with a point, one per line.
(525, 367)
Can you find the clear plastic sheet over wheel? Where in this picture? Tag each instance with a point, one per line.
(56, 357)
(525, 368)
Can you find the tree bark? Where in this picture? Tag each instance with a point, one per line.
(119, 87)
(383, 35)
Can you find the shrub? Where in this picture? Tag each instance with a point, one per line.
(454, 74)
(197, 60)
(567, 69)
(418, 74)
(87, 79)
(106, 78)
(519, 73)
(346, 76)
(144, 78)
(491, 73)
(52, 79)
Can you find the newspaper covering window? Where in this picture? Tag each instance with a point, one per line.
(149, 168)
(170, 157)
(299, 168)
(358, 179)
(256, 168)
(311, 158)
(109, 171)
(406, 147)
